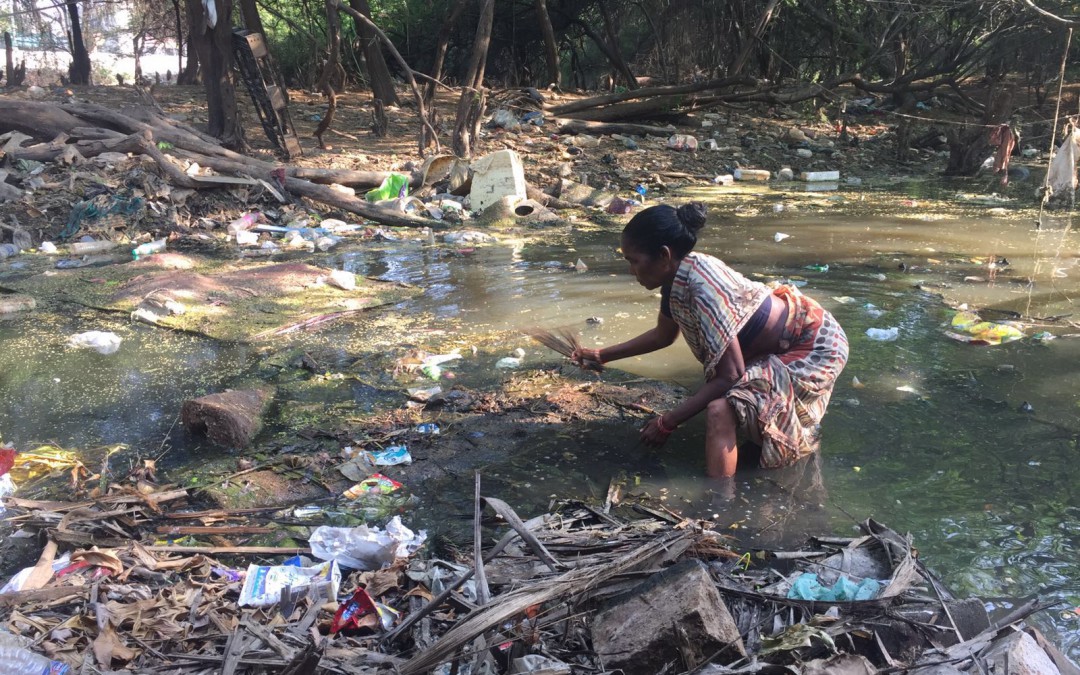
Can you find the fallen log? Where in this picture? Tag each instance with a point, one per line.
(230, 418)
(40, 120)
(648, 92)
(653, 108)
(346, 177)
(572, 126)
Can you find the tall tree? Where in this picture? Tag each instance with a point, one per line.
(551, 48)
(79, 70)
(211, 35)
(252, 21)
(382, 85)
(332, 80)
(442, 45)
(473, 98)
(179, 38)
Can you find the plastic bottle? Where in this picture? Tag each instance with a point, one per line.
(244, 222)
(149, 248)
(7, 488)
(14, 658)
(84, 247)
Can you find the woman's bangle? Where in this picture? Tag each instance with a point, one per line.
(663, 428)
(599, 359)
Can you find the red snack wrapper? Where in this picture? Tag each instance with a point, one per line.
(352, 612)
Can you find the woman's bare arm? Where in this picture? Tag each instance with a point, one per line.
(662, 335)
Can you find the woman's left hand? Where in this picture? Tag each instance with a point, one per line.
(653, 434)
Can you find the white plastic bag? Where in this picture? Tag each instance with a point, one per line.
(365, 548)
(1062, 176)
(100, 341)
(883, 334)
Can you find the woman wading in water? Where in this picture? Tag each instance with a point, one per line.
(771, 356)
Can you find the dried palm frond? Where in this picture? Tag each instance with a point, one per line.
(564, 342)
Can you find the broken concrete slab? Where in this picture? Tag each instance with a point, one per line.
(583, 195)
(516, 211)
(1020, 654)
(677, 614)
(495, 176)
(1062, 662)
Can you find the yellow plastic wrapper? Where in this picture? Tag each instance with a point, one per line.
(978, 332)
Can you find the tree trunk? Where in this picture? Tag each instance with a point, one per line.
(471, 104)
(427, 131)
(615, 52)
(442, 45)
(382, 85)
(179, 38)
(750, 40)
(79, 70)
(252, 21)
(136, 45)
(9, 69)
(214, 46)
(969, 147)
(192, 73)
(332, 79)
(551, 48)
(613, 57)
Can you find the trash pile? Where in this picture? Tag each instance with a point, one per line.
(139, 577)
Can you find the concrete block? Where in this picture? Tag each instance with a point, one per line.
(495, 176)
(1020, 654)
(675, 615)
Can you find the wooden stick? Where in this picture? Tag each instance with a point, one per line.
(483, 594)
(219, 513)
(231, 550)
(512, 519)
(209, 529)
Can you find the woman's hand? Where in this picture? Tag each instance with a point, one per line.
(654, 434)
(587, 359)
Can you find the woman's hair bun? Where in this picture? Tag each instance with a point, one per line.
(692, 216)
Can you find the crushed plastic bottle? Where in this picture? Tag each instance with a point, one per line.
(429, 429)
(15, 658)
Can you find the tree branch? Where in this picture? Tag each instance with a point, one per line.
(1047, 15)
(408, 73)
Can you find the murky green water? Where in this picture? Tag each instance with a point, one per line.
(971, 449)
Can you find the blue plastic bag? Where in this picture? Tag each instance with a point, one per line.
(808, 587)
